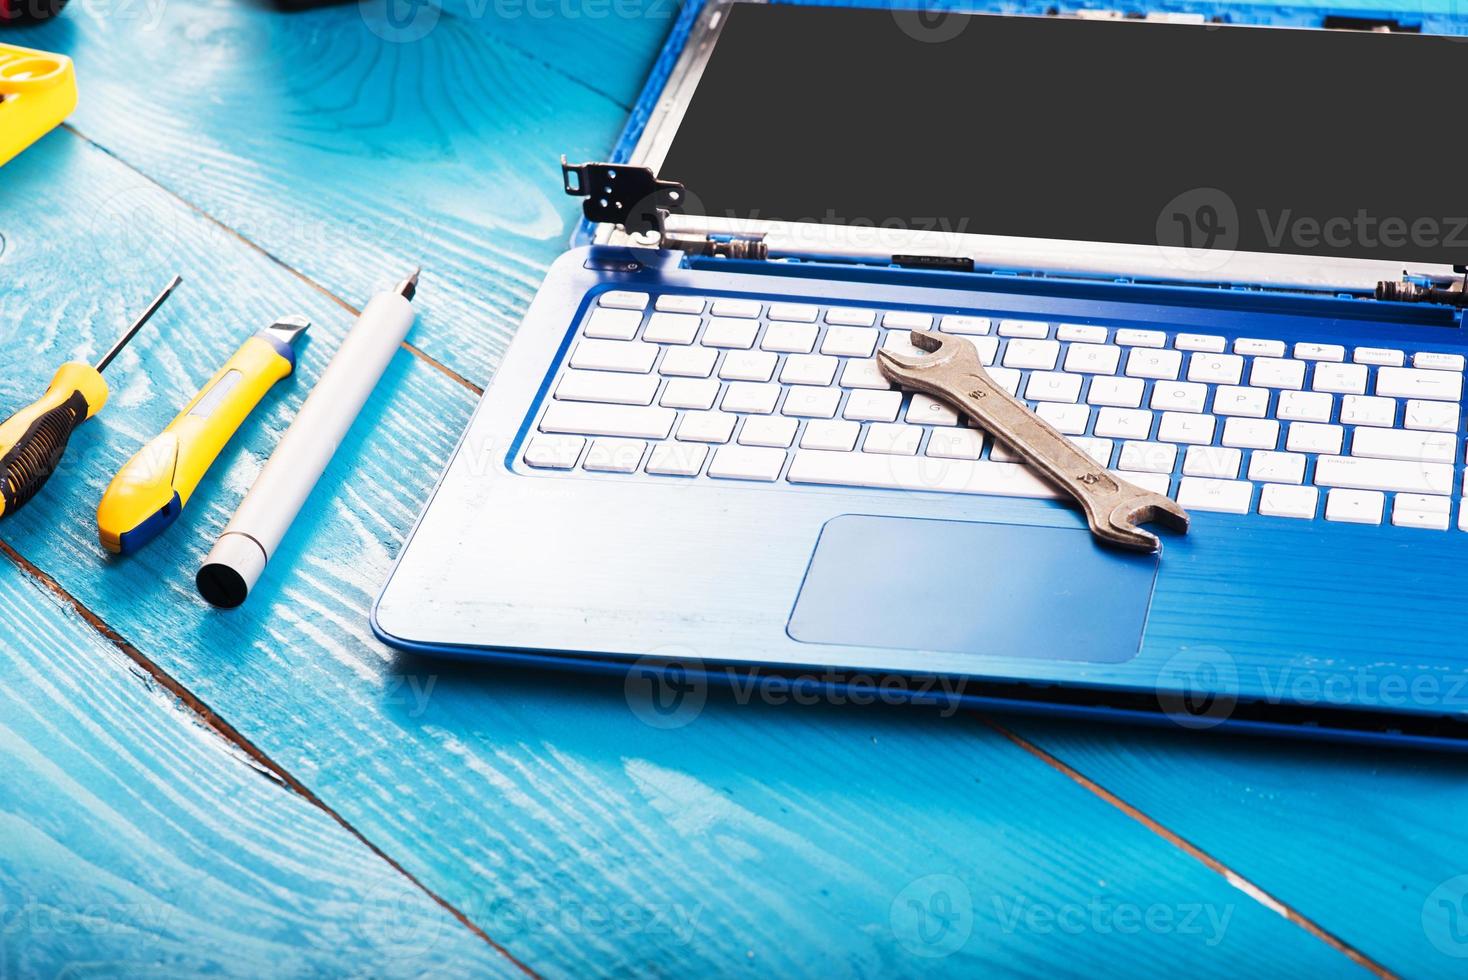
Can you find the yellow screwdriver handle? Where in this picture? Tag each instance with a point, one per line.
(152, 488)
(33, 440)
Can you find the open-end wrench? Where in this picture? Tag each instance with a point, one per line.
(953, 373)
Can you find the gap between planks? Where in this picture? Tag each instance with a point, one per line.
(1193, 851)
(228, 731)
(238, 741)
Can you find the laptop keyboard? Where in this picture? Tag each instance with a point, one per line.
(692, 387)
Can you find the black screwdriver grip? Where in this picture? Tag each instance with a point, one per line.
(25, 469)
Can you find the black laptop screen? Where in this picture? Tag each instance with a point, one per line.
(1308, 142)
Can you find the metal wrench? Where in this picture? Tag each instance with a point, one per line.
(953, 373)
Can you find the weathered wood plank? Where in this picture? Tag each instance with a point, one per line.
(575, 834)
(137, 841)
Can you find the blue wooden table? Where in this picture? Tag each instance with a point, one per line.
(272, 791)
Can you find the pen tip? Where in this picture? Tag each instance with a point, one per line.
(409, 286)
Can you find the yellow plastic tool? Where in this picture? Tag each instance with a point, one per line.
(37, 91)
(152, 488)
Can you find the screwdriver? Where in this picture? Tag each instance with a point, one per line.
(33, 440)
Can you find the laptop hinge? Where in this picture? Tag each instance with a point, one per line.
(639, 202)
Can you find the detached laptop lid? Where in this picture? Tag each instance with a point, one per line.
(1145, 148)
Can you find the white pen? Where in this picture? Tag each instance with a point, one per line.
(242, 551)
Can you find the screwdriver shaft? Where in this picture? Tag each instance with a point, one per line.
(138, 324)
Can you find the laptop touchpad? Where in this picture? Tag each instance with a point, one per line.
(966, 587)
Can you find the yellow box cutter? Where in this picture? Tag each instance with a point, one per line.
(151, 489)
(37, 91)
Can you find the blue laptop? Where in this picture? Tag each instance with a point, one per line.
(1221, 248)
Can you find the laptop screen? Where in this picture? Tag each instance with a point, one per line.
(1302, 142)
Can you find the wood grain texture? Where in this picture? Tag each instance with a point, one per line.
(136, 841)
(791, 840)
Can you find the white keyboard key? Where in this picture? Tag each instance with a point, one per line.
(809, 369)
(743, 308)
(1421, 510)
(614, 355)
(924, 410)
(1053, 386)
(630, 421)
(836, 436)
(1039, 355)
(614, 456)
(1225, 496)
(1276, 500)
(1123, 423)
(1251, 433)
(1098, 449)
(1378, 355)
(1068, 419)
(1313, 437)
(1360, 473)
(988, 348)
(1116, 392)
(746, 463)
(1218, 369)
(1186, 427)
(1433, 416)
(707, 427)
(1274, 372)
(1259, 348)
(966, 324)
(607, 323)
(906, 320)
(1199, 342)
(1433, 361)
(847, 317)
(1029, 329)
(1143, 362)
(1250, 403)
(903, 473)
(606, 386)
(900, 342)
(850, 341)
(863, 374)
(1092, 358)
(873, 406)
(694, 393)
(1355, 506)
(795, 312)
(1344, 379)
(1304, 406)
(1414, 383)
(554, 452)
(790, 338)
(1179, 396)
(688, 362)
(1268, 466)
(1370, 410)
(724, 331)
(748, 365)
(674, 303)
(750, 398)
(621, 299)
(892, 440)
(1155, 482)
(1141, 338)
(1080, 333)
(1147, 457)
(671, 328)
(1006, 378)
(676, 459)
(803, 401)
(1320, 352)
(956, 443)
(1430, 447)
(1218, 462)
(768, 430)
